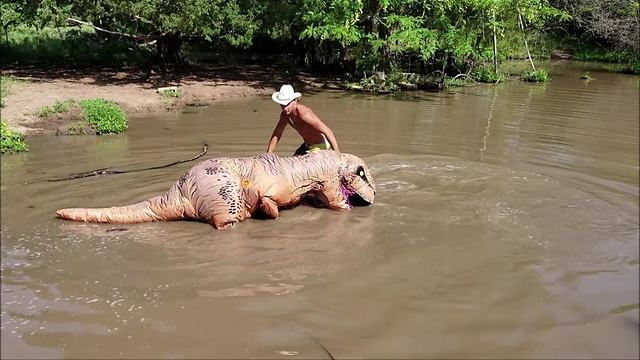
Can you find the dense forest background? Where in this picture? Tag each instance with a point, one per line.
(357, 38)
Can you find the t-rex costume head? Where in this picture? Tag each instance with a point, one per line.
(223, 191)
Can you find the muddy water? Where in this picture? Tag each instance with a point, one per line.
(506, 225)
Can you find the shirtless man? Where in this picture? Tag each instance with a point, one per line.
(316, 135)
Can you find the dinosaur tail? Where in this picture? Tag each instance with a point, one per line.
(159, 208)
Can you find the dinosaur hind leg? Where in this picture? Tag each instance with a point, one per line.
(218, 200)
(269, 207)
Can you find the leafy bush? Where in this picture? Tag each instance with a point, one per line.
(104, 115)
(454, 82)
(632, 68)
(539, 75)
(11, 141)
(485, 75)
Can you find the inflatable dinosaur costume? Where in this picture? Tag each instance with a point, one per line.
(223, 191)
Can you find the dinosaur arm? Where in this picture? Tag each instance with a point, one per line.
(269, 207)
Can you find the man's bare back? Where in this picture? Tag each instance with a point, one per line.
(309, 134)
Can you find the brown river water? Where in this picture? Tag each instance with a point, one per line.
(505, 226)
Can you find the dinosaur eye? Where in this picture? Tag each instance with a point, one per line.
(360, 172)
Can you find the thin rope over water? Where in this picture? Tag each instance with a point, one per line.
(106, 171)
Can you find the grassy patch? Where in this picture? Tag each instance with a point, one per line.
(539, 75)
(6, 82)
(91, 116)
(57, 108)
(11, 141)
(106, 116)
(69, 46)
(171, 93)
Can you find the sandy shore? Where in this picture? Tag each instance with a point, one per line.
(135, 92)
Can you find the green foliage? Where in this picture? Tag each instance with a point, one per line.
(486, 75)
(632, 68)
(335, 20)
(58, 107)
(385, 33)
(104, 115)
(539, 75)
(455, 82)
(363, 37)
(171, 93)
(6, 82)
(46, 111)
(161, 26)
(64, 106)
(77, 46)
(11, 141)
(603, 55)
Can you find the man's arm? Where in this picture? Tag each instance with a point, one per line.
(277, 134)
(314, 121)
(329, 134)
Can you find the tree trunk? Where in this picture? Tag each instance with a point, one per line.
(168, 52)
(495, 46)
(524, 33)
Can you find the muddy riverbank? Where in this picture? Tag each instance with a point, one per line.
(31, 89)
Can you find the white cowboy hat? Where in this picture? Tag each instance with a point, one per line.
(285, 95)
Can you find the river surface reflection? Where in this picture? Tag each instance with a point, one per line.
(505, 225)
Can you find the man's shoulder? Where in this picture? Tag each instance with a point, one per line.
(305, 112)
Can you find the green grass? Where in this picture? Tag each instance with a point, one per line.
(6, 81)
(11, 141)
(69, 46)
(458, 82)
(58, 107)
(106, 116)
(173, 93)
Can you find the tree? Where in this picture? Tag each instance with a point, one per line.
(616, 21)
(165, 24)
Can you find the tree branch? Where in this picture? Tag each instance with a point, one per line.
(140, 38)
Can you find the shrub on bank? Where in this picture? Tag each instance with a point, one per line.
(539, 75)
(632, 68)
(485, 75)
(102, 116)
(11, 141)
(106, 116)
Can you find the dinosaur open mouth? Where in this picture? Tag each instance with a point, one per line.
(352, 198)
(356, 200)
